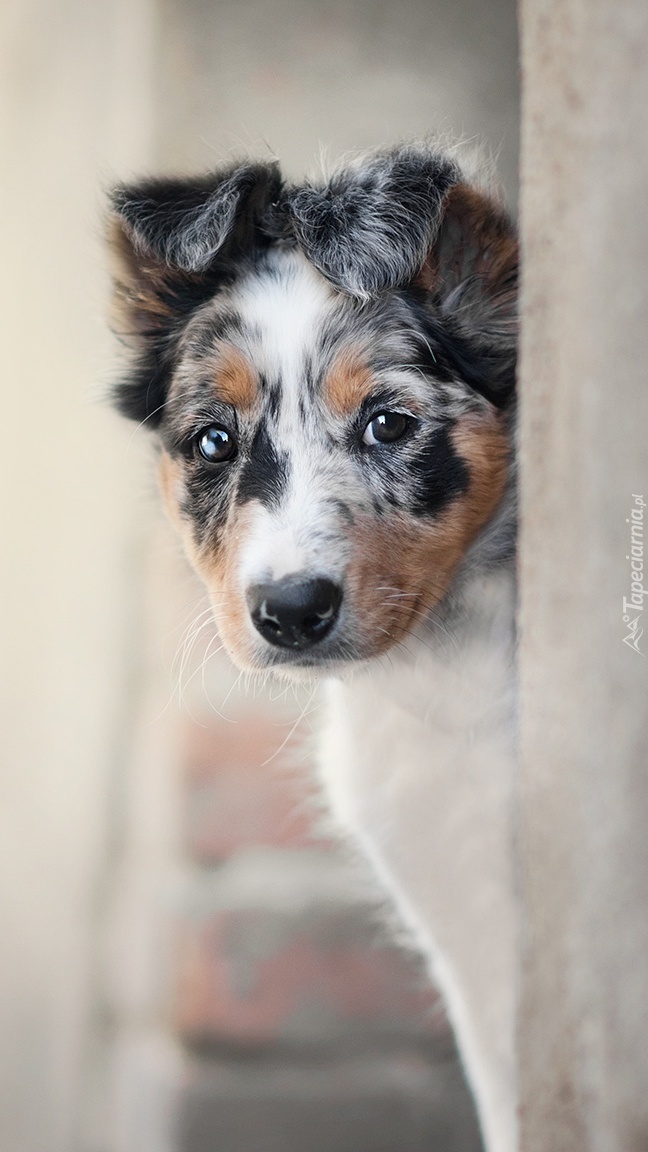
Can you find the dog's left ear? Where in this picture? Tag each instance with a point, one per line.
(470, 277)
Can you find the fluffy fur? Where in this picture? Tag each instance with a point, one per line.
(329, 369)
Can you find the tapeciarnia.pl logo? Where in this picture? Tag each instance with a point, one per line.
(633, 605)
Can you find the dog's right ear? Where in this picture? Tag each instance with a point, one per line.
(470, 275)
(173, 242)
(369, 227)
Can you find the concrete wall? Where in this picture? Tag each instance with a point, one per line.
(584, 442)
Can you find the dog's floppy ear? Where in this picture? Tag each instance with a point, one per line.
(471, 276)
(171, 236)
(173, 241)
(371, 225)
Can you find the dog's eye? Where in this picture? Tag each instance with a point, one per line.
(386, 427)
(216, 444)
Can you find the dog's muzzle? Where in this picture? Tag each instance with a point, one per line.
(295, 612)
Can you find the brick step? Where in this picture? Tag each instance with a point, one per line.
(395, 1103)
(274, 947)
(247, 782)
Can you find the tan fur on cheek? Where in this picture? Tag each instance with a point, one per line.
(403, 565)
(172, 489)
(220, 569)
(217, 566)
(483, 442)
(222, 574)
(402, 568)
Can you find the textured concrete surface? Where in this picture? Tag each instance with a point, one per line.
(584, 443)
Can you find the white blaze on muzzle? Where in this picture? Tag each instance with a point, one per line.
(300, 538)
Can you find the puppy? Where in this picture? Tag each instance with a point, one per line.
(329, 370)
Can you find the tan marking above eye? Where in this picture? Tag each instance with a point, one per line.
(348, 382)
(235, 378)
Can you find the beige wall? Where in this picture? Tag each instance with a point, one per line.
(584, 439)
(297, 78)
(75, 98)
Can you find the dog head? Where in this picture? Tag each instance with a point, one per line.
(329, 370)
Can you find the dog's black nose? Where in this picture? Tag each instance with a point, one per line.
(294, 612)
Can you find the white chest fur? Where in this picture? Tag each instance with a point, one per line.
(418, 762)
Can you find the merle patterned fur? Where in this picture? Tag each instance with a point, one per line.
(187, 245)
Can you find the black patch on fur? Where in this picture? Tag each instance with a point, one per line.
(142, 395)
(203, 484)
(449, 349)
(222, 326)
(371, 226)
(206, 501)
(264, 474)
(485, 365)
(188, 223)
(272, 393)
(441, 473)
(344, 510)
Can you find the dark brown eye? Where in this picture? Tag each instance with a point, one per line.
(216, 444)
(386, 427)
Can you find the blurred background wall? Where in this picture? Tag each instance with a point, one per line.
(143, 846)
